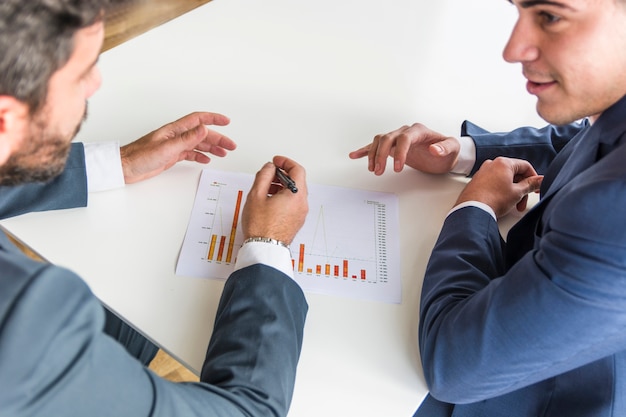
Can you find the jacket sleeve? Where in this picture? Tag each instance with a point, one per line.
(68, 190)
(257, 340)
(58, 362)
(538, 146)
(485, 332)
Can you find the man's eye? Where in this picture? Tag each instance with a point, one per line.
(548, 18)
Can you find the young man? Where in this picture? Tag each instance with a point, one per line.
(55, 358)
(535, 326)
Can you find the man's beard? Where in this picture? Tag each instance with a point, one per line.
(42, 156)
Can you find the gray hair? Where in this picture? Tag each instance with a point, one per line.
(36, 39)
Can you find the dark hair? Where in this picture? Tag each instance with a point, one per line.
(36, 39)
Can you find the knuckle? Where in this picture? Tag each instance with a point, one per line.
(403, 137)
(386, 137)
(501, 161)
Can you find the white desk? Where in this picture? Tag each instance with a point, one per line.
(311, 80)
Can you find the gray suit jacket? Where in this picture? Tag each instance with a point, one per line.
(55, 359)
(535, 326)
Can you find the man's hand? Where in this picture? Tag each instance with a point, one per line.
(415, 146)
(271, 210)
(502, 183)
(184, 139)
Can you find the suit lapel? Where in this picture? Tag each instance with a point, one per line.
(580, 154)
(584, 150)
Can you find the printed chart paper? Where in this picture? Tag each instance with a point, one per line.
(347, 247)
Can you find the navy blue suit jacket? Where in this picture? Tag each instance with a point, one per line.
(55, 359)
(535, 326)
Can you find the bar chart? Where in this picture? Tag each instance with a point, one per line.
(346, 247)
(222, 238)
(356, 251)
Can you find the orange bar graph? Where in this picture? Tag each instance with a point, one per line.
(220, 251)
(301, 258)
(323, 269)
(233, 230)
(212, 247)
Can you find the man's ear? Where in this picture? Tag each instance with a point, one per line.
(14, 116)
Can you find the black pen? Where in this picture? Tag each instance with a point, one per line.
(286, 180)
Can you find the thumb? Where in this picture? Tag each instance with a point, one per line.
(444, 147)
(533, 183)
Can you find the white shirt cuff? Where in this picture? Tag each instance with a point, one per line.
(467, 156)
(477, 204)
(103, 165)
(275, 256)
